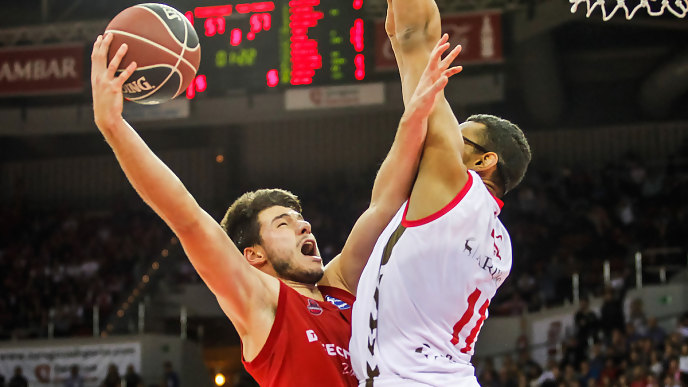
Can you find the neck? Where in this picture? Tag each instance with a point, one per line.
(308, 290)
(492, 187)
(486, 176)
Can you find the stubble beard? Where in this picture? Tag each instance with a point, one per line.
(285, 270)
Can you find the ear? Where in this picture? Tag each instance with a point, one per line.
(486, 162)
(255, 256)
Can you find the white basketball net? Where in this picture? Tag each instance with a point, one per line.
(678, 8)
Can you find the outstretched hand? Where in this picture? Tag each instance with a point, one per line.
(105, 84)
(434, 78)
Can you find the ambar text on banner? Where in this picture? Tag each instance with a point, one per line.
(37, 70)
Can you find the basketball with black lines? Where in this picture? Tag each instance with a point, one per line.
(164, 46)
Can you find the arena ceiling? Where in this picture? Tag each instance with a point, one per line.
(598, 72)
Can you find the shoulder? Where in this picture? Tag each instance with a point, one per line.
(334, 277)
(473, 199)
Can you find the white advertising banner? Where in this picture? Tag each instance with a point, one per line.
(50, 366)
(328, 97)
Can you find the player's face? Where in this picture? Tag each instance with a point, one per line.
(472, 133)
(290, 247)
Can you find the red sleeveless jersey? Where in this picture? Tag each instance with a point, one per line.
(308, 344)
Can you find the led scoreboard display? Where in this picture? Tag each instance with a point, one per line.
(260, 45)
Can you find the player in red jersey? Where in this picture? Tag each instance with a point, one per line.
(264, 267)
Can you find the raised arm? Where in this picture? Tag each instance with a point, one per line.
(396, 174)
(441, 173)
(413, 28)
(241, 290)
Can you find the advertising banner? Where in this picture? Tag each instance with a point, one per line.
(478, 33)
(49, 366)
(37, 70)
(328, 97)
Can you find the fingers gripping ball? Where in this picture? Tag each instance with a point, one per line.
(164, 46)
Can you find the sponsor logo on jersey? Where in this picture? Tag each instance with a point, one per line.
(310, 334)
(335, 350)
(337, 302)
(472, 249)
(496, 248)
(314, 308)
(431, 354)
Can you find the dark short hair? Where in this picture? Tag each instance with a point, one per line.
(507, 140)
(241, 219)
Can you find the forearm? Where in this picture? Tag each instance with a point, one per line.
(157, 185)
(418, 26)
(398, 171)
(239, 288)
(414, 29)
(396, 174)
(391, 188)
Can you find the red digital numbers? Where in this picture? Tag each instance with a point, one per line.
(260, 22)
(214, 11)
(359, 62)
(357, 39)
(190, 16)
(214, 25)
(235, 37)
(305, 56)
(272, 78)
(215, 18)
(356, 35)
(266, 6)
(199, 84)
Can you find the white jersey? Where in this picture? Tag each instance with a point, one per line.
(424, 294)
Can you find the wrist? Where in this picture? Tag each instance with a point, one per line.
(107, 124)
(413, 116)
(412, 127)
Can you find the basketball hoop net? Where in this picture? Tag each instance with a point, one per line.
(678, 8)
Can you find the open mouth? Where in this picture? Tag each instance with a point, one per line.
(308, 248)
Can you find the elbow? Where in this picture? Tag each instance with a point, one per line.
(412, 36)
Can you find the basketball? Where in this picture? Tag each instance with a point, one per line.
(164, 46)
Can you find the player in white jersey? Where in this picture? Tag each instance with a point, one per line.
(426, 289)
(424, 294)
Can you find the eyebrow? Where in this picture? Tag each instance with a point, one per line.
(286, 215)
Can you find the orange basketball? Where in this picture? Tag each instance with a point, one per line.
(164, 46)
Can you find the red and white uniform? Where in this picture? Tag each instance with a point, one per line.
(424, 294)
(308, 343)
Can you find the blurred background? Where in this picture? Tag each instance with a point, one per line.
(90, 276)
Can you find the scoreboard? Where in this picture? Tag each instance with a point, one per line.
(254, 46)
